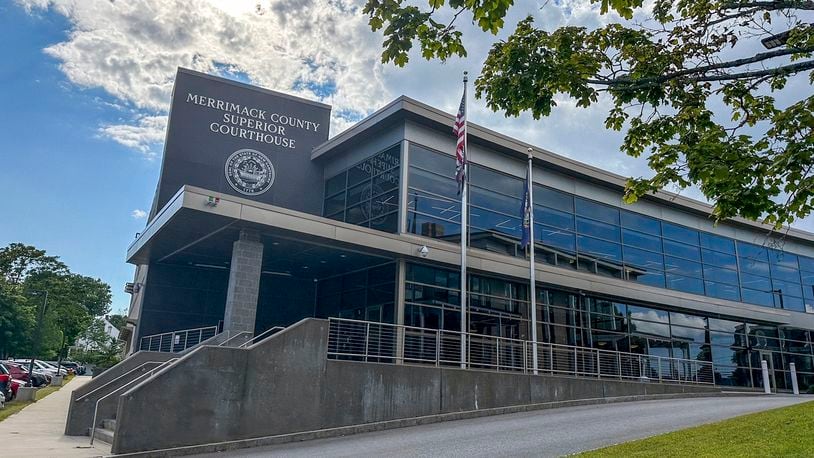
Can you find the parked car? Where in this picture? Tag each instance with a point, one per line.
(5, 387)
(63, 369)
(20, 372)
(77, 368)
(42, 367)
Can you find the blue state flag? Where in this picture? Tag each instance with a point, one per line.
(525, 215)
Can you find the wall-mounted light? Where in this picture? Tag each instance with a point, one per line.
(212, 201)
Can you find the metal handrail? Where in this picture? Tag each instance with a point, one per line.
(137, 379)
(267, 331)
(117, 378)
(385, 342)
(185, 332)
(234, 337)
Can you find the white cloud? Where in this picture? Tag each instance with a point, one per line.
(144, 136)
(131, 50)
(138, 214)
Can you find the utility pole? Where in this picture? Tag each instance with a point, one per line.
(37, 336)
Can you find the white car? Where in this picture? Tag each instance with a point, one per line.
(42, 367)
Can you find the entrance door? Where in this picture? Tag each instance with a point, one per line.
(767, 356)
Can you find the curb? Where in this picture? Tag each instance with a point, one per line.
(406, 422)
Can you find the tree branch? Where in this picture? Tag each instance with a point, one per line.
(702, 69)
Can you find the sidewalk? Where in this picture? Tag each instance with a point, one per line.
(37, 430)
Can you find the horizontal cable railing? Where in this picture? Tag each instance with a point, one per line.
(389, 343)
(177, 341)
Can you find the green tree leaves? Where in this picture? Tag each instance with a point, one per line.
(662, 80)
(73, 300)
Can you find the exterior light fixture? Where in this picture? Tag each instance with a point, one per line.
(212, 201)
(775, 41)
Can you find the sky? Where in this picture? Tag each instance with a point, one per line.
(85, 86)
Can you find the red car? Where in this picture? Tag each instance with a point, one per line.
(8, 384)
(19, 372)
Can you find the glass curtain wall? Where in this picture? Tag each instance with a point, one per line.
(367, 194)
(367, 294)
(499, 307)
(580, 234)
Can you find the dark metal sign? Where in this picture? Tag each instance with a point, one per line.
(238, 139)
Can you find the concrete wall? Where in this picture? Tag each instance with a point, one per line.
(286, 384)
(80, 413)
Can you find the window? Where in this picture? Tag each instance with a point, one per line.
(641, 223)
(551, 198)
(679, 233)
(597, 229)
(367, 194)
(717, 243)
(640, 240)
(597, 211)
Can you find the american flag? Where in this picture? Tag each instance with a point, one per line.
(459, 129)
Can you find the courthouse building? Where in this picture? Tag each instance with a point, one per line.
(260, 219)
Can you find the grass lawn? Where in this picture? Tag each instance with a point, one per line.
(786, 432)
(16, 406)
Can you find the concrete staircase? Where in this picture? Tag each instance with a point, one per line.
(105, 431)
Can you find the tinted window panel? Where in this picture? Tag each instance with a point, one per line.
(719, 259)
(686, 284)
(679, 233)
(691, 334)
(785, 273)
(494, 201)
(717, 324)
(359, 173)
(648, 314)
(432, 227)
(443, 164)
(717, 243)
(757, 297)
(722, 291)
(555, 218)
(491, 221)
(791, 303)
(552, 198)
(598, 248)
(807, 277)
(788, 288)
(782, 258)
(806, 263)
(755, 282)
(751, 251)
(641, 223)
(727, 339)
(683, 319)
(385, 203)
(647, 327)
(386, 160)
(335, 184)
(436, 206)
(682, 267)
(717, 274)
(597, 229)
(555, 238)
(387, 223)
(433, 183)
(386, 181)
(334, 204)
(681, 250)
(639, 240)
(496, 181)
(597, 211)
(651, 278)
(643, 260)
(754, 267)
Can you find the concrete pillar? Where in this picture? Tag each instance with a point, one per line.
(764, 368)
(244, 284)
(401, 276)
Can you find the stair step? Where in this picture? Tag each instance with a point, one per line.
(109, 424)
(104, 435)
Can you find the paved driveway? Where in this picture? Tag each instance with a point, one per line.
(554, 432)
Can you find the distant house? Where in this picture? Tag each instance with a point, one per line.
(110, 330)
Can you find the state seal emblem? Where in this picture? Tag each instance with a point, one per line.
(249, 172)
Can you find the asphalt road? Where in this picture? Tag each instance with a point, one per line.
(553, 432)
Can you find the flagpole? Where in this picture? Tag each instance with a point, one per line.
(532, 270)
(464, 237)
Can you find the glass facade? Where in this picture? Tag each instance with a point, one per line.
(367, 194)
(580, 234)
(367, 294)
(500, 307)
